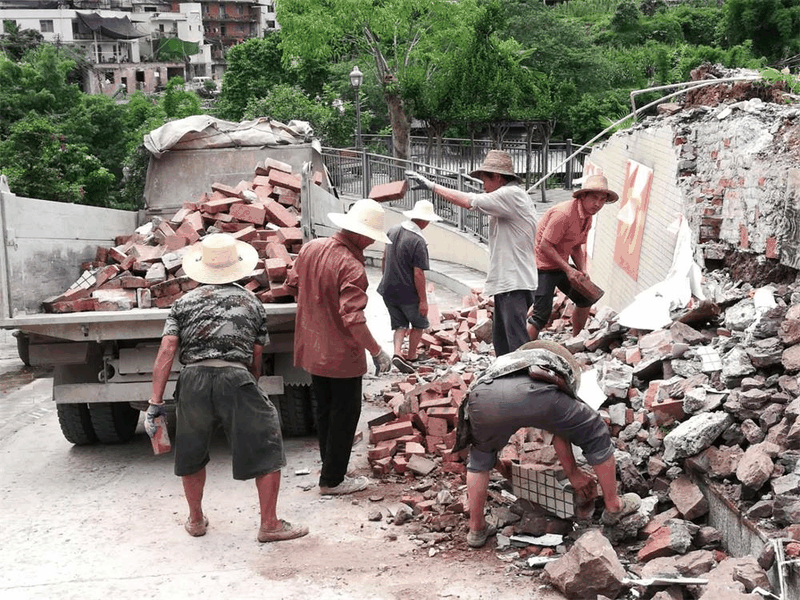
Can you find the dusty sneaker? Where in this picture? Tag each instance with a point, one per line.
(629, 503)
(402, 365)
(476, 539)
(349, 485)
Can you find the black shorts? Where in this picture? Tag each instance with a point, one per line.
(403, 315)
(209, 396)
(549, 280)
(496, 410)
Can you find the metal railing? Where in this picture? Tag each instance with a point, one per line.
(355, 173)
(458, 154)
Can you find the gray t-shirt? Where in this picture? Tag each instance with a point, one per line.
(218, 321)
(512, 230)
(407, 250)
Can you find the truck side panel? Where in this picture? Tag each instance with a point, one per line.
(184, 175)
(44, 244)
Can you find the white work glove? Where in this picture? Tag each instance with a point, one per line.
(382, 361)
(153, 411)
(419, 180)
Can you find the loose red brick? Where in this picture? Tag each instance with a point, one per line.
(449, 413)
(223, 189)
(276, 250)
(276, 269)
(284, 179)
(390, 431)
(279, 215)
(250, 213)
(272, 163)
(437, 426)
(385, 192)
(290, 235)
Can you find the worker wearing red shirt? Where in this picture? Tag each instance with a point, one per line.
(330, 283)
(560, 236)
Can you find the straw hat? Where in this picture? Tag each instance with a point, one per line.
(365, 217)
(219, 258)
(596, 183)
(423, 210)
(556, 348)
(497, 161)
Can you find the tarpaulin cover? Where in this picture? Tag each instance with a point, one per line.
(170, 49)
(118, 28)
(202, 131)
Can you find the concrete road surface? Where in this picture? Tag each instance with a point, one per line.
(106, 521)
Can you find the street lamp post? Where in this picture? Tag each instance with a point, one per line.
(356, 77)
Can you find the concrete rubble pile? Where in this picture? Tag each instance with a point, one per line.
(143, 269)
(706, 405)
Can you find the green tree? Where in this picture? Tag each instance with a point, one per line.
(39, 83)
(15, 42)
(395, 33)
(285, 103)
(178, 102)
(41, 163)
(773, 26)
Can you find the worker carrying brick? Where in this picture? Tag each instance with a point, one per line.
(331, 333)
(511, 276)
(561, 236)
(220, 329)
(535, 387)
(403, 285)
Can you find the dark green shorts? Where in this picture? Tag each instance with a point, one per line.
(209, 396)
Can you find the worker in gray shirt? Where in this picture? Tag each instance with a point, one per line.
(512, 276)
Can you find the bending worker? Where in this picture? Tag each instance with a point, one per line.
(403, 286)
(511, 276)
(562, 235)
(535, 387)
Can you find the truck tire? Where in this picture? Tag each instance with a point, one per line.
(76, 424)
(114, 422)
(23, 347)
(295, 408)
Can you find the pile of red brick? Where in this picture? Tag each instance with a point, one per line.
(143, 270)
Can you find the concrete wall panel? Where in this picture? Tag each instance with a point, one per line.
(653, 148)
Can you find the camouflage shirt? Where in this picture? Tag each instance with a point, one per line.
(218, 321)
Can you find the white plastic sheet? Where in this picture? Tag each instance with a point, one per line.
(651, 308)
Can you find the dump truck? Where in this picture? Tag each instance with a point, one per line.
(102, 360)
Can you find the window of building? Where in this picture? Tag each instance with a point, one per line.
(271, 8)
(161, 27)
(109, 76)
(222, 11)
(46, 25)
(270, 24)
(150, 9)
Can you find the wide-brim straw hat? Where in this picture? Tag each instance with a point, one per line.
(596, 183)
(557, 348)
(497, 161)
(423, 210)
(365, 217)
(219, 258)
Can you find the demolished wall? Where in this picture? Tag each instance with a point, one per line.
(728, 169)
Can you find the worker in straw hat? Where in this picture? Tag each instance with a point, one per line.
(403, 285)
(535, 386)
(219, 331)
(511, 276)
(561, 236)
(331, 333)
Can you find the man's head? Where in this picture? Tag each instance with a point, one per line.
(219, 258)
(595, 194)
(422, 214)
(365, 218)
(497, 170)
